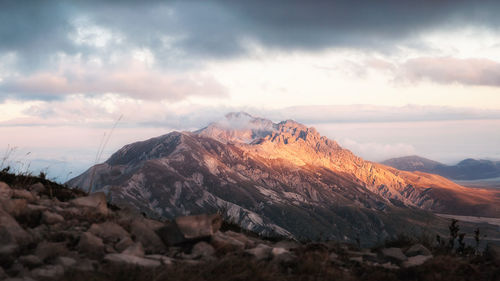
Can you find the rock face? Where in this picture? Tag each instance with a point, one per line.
(280, 179)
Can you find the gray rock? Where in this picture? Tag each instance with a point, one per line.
(48, 272)
(8, 254)
(37, 188)
(163, 259)
(492, 252)
(3, 275)
(39, 233)
(11, 232)
(15, 207)
(128, 260)
(66, 261)
(416, 260)
(91, 245)
(224, 242)
(123, 244)
(144, 233)
(51, 218)
(287, 245)
(109, 231)
(95, 201)
(282, 255)
(85, 265)
(418, 249)
(135, 249)
(199, 226)
(261, 252)
(48, 250)
(203, 250)
(356, 259)
(30, 261)
(23, 194)
(395, 254)
(242, 238)
(170, 234)
(5, 191)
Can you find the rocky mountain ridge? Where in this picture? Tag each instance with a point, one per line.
(278, 179)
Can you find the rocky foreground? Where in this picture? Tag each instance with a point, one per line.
(54, 233)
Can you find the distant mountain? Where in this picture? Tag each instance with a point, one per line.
(468, 169)
(278, 178)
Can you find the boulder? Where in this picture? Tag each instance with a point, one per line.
(23, 194)
(282, 255)
(48, 250)
(394, 254)
(170, 234)
(8, 254)
(109, 231)
(161, 258)
(120, 260)
(85, 265)
(199, 226)
(65, 261)
(3, 276)
(416, 260)
(202, 250)
(15, 207)
(51, 218)
(418, 249)
(226, 243)
(48, 272)
(261, 252)
(5, 191)
(30, 261)
(492, 252)
(37, 188)
(144, 233)
(95, 201)
(123, 244)
(135, 249)
(91, 245)
(287, 245)
(242, 238)
(11, 232)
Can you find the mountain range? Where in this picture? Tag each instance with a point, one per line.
(468, 169)
(280, 179)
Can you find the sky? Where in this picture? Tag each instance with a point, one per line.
(383, 78)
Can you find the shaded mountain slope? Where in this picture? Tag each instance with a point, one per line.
(468, 169)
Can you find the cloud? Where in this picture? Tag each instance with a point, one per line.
(447, 70)
(132, 79)
(377, 151)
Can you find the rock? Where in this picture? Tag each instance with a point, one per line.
(356, 259)
(37, 188)
(261, 252)
(142, 232)
(416, 260)
(203, 250)
(226, 243)
(51, 218)
(48, 272)
(11, 232)
(48, 250)
(2, 274)
(276, 251)
(91, 245)
(395, 254)
(39, 233)
(95, 201)
(8, 254)
(199, 226)
(15, 207)
(389, 265)
(135, 249)
(288, 245)
(109, 231)
(23, 194)
(170, 234)
(163, 259)
(5, 191)
(128, 260)
(30, 261)
(282, 255)
(123, 244)
(65, 261)
(418, 249)
(492, 252)
(85, 265)
(242, 238)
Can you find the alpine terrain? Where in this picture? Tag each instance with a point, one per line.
(281, 179)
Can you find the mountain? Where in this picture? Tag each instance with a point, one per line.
(278, 179)
(468, 169)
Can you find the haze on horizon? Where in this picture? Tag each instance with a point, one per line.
(385, 79)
